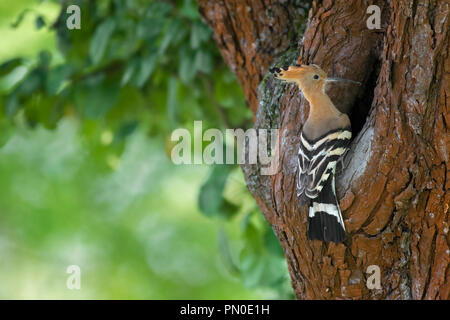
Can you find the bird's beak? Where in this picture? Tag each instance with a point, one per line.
(342, 80)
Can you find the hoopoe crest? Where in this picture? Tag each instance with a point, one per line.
(324, 139)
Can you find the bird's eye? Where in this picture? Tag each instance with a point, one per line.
(316, 77)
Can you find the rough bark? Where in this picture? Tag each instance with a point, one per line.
(394, 189)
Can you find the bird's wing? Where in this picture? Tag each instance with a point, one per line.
(317, 160)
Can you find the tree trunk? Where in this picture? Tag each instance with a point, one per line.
(394, 188)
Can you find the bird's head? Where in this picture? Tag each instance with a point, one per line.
(310, 78)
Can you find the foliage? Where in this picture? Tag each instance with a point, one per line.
(147, 66)
(132, 62)
(125, 229)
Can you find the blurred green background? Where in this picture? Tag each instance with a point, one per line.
(85, 172)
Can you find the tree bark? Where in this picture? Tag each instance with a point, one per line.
(394, 189)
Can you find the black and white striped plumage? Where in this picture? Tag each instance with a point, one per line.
(317, 159)
(324, 139)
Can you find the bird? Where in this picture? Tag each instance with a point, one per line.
(324, 139)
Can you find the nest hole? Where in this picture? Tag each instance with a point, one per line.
(363, 104)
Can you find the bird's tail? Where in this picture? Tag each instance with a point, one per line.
(325, 217)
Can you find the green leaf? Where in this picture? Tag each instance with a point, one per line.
(172, 103)
(12, 105)
(210, 198)
(130, 69)
(251, 254)
(45, 57)
(245, 222)
(158, 9)
(228, 209)
(126, 129)
(94, 100)
(39, 22)
(199, 34)
(56, 78)
(20, 18)
(171, 33)
(225, 253)
(187, 68)
(31, 82)
(189, 10)
(99, 41)
(147, 65)
(203, 61)
(150, 27)
(43, 110)
(9, 65)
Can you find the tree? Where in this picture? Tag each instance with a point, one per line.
(133, 67)
(394, 188)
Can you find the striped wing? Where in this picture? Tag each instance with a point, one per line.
(317, 161)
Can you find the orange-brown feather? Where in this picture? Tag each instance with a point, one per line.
(323, 115)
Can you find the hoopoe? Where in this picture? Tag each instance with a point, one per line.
(323, 141)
